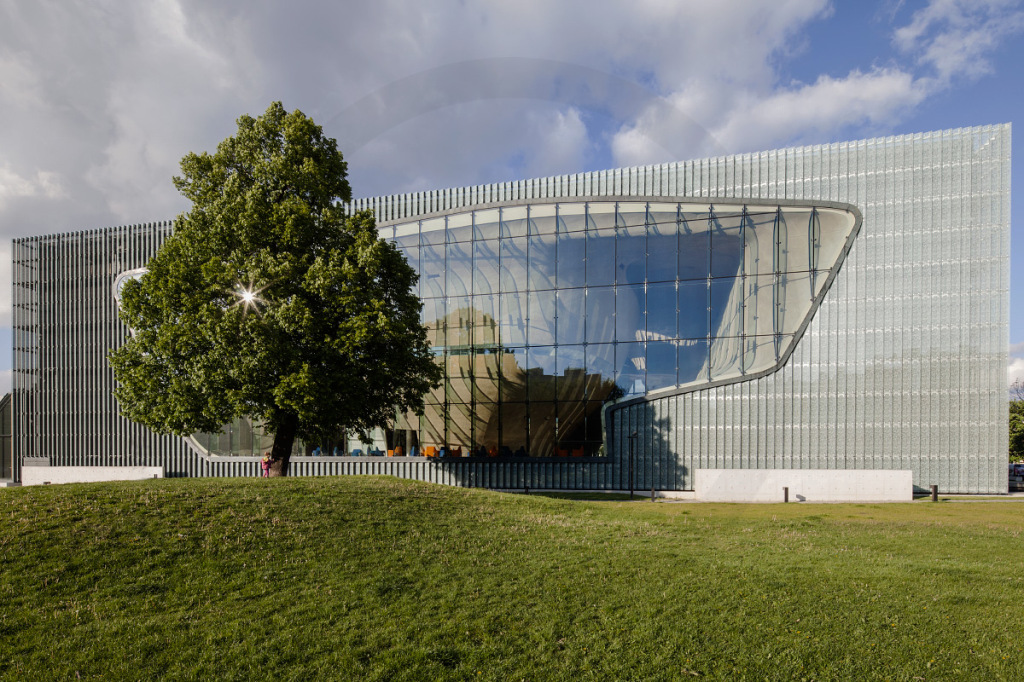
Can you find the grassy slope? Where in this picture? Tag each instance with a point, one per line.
(374, 578)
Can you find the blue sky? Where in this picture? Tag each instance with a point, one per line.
(100, 100)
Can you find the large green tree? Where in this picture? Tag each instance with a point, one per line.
(269, 301)
(1017, 421)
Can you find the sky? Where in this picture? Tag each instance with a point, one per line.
(100, 100)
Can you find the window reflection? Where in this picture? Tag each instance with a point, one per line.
(629, 312)
(432, 269)
(600, 360)
(571, 267)
(572, 217)
(693, 310)
(485, 266)
(553, 309)
(513, 263)
(459, 268)
(514, 221)
(661, 364)
(662, 246)
(600, 215)
(726, 246)
(542, 261)
(600, 314)
(631, 253)
(693, 361)
(694, 246)
(486, 225)
(540, 314)
(600, 258)
(631, 374)
(661, 310)
(541, 325)
(570, 323)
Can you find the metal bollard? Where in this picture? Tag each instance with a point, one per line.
(785, 494)
(935, 493)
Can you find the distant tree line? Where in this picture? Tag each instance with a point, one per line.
(1017, 421)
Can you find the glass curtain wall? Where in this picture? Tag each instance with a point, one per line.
(541, 313)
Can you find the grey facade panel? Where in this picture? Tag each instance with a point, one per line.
(902, 366)
(65, 320)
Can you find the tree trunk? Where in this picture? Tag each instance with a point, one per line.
(284, 438)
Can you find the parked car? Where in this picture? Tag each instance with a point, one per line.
(1017, 469)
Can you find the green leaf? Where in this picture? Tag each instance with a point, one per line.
(329, 337)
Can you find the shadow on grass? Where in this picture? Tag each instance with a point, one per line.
(597, 496)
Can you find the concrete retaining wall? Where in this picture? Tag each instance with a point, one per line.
(41, 475)
(805, 485)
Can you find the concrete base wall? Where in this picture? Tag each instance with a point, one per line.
(41, 475)
(805, 485)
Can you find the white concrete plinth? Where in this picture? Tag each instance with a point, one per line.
(42, 475)
(805, 485)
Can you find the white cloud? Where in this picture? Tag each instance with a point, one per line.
(663, 128)
(18, 81)
(946, 39)
(954, 36)
(1015, 371)
(1015, 364)
(562, 143)
(749, 120)
(820, 108)
(535, 139)
(44, 184)
(635, 146)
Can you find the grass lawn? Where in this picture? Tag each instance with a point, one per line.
(377, 578)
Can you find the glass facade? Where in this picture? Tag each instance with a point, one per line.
(543, 312)
(573, 311)
(6, 453)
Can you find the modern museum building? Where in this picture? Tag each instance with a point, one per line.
(835, 308)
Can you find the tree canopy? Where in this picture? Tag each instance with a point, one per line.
(269, 301)
(1017, 421)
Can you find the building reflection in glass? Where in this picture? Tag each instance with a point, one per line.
(543, 312)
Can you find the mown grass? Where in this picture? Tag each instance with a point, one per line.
(375, 578)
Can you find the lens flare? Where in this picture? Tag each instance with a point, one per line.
(248, 297)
